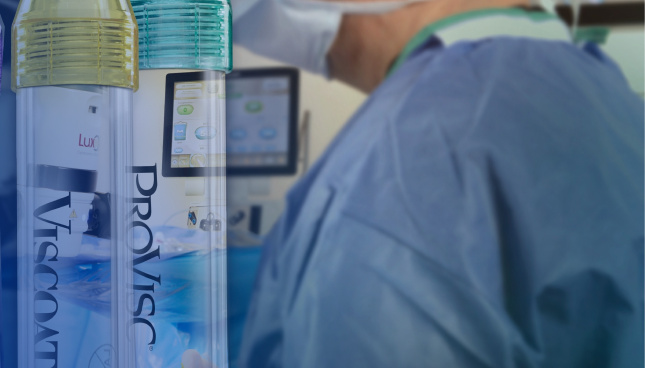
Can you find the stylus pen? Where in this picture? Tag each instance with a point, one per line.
(179, 270)
(74, 70)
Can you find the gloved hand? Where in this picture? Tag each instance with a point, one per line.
(191, 359)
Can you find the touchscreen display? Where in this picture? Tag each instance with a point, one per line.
(257, 121)
(191, 132)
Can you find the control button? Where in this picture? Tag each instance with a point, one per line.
(198, 160)
(205, 132)
(180, 131)
(185, 109)
(253, 107)
(268, 133)
(237, 134)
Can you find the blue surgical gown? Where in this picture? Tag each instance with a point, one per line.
(483, 208)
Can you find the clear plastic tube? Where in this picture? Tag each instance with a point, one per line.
(1, 48)
(1, 52)
(180, 219)
(72, 186)
(74, 92)
(179, 151)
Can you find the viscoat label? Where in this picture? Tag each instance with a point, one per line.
(46, 238)
(144, 288)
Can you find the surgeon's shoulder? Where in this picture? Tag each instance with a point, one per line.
(470, 85)
(434, 94)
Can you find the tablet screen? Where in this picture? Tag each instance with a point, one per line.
(261, 121)
(193, 141)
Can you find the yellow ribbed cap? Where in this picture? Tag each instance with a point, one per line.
(75, 42)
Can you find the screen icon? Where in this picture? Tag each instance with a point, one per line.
(198, 160)
(268, 133)
(237, 134)
(253, 107)
(185, 109)
(205, 132)
(180, 132)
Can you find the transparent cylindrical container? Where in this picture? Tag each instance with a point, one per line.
(1, 47)
(1, 52)
(74, 73)
(180, 192)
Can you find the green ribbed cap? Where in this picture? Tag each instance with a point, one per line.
(184, 34)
